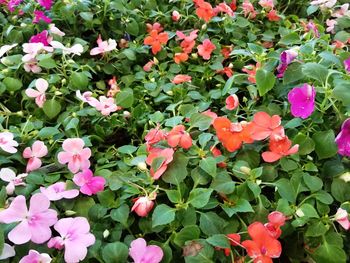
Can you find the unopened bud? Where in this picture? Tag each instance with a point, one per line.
(299, 213)
(57, 93)
(152, 79)
(170, 92)
(194, 55)
(245, 169)
(106, 233)
(142, 166)
(70, 213)
(345, 177)
(126, 114)
(20, 113)
(204, 27)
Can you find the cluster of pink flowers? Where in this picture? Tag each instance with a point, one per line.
(104, 105)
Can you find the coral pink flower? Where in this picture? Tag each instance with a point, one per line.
(273, 16)
(148, 66)
(302, 100)
(204, 10)
(40, 15)
(232, 102)
(175, 16)
(179, 137)
(276, 220)
(141, 253)
(7, 175)
(89, 184)
(178, 79)
(267, 4)
(342, 218)
(143, 205)
(34, 154)
(156, 40)
(39, 94)
(206, 49)
(156, 26)
(7, 143)
(42, 37)
(225, 51)
(180, 57)
(75, 155)
(155, 135)
(216, 153)
(188, 42)
(106, 105)
(227, 71)
(248, 9)
(266, 126)
(57, 191)
(103, 46)
(251, 71)
(279, 149)
(223, 8)
(74, 237)
(34, 223)
(162, 158)
(35, 257)
(210, 114)
(47, 4)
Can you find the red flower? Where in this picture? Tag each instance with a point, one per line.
(178, 79)
(159, 160)
(180, 57)
(206, 49)
(267, 126)
(232, 102)
(262, 247)
(156, 40)
(251, 71)
(272, 15)
(216, 152)
(179, 137)
(188, 41)
(233, 5)
(204, 10)
(276, 220)
(235, 239)
(225, 51)
(226, 70)
(279, 149)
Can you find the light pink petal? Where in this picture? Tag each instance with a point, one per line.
(6, 174)
(270, 157)
(95, 51)
(40, 233)
(20, 234)
(74, 252)
(38, 203)
(85, 189)
(33, 164)
(64, 157)
(80, 225)
(63, 225)
(153, 254)
(74, 165)
(41, 85)
(85, 164)
(27, 153)
(32, 93)
(16, 211)
(73, 145)
(293, 150)
(10, 188)
(69, 194)
(137, 249)
(85, 153)
(39, 149)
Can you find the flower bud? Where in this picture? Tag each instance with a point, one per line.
(19, 113)
(126, 114)
(142, 206)
(142, 166)
(345, 177)
(194, 55)
(299, 213)
(170, 92)
(70, 213)
(245, 169)
(204, 26)
(57, 93)
(105, 233)
(175, 16)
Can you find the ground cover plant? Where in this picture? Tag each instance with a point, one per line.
(174, 131)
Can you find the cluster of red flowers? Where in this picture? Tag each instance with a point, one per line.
(263, 126)
(263, 245)
(156, 37)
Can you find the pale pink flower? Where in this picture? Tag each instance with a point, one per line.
(141, 253)
(54, 30)
(74, 237)
(40, 15)
(34, 223)
(331, 23)
(34, 154)
(342, 218)
(178, 79)
(324, 3)
(34, 49)
(32, 66)
(35, 257)
(75, 155)
(87, 97)
(143, 205)
(39, 94)
(89, 184)
(76, 49)
(175, 16)
(6, 48)
(248, 9)
(268, 4)
(103, 46)
(223, 8)
(7, 175)
(7, 252)
(7, 143)
(58, 191)
(106, 105)
(343, 11)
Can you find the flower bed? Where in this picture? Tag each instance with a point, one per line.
(174, 131)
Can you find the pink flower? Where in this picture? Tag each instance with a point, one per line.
(312, 26)
(148, 66)
(106, 105)
(210, 114)
(40, 15)
(7, 143)
(175, 16)
(330, 25)
(178, 136)
(276, 220)
(178, 79)
(206, 49)
(35, 257)
(47, 4)
(75, 237)
(89, 184)
(32, 66)
(188, 41)
(6, 48)
(34, 223)
(286, 58)
(42, 37)
(58, 191)
(103, 46)
(343, 11)
(12, 4)
(76, 49)
(75, 155)
(248, 9)
(342, 218)
(155, 135)
(268, 4)
(343, 139)
(232, 102)
(141, 253)
(54, 30)
(223, 8)
(39, 94)
(87, 97)
(7, 175)
(143, 205)
(347, 64)
(34, 154)
(165, 156)
(302, 100)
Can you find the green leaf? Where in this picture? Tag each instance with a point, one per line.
(228, 86)
(163, 215)
(327, 253)
(87, 16)
(82, 206)
(174, 196)
(290, 39)
(309, 211)
(265, 81)
(313, 182)
(223, 183)
(12, 84)
(116, 252)
(219, 240)
(286, 190)
(125, 98)
(129, 53)
(199, 197)
(2, 240)
(79, 80)
(51, 108)
(210, 223)
(316, 229)
(325, 145)
(293, 73)
(127, 149)
(47, 63)
(177, 169)
(121, 214)
(241, 206)
(190, 232)
(315, 71)
(35, 177)
(341, 92)
(209, 166)
(306, 144)
(133, 27)
(340, 190)
(201, 121)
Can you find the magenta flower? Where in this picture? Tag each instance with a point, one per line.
(34, 154)
(75, 237)
(312, 26)
(58, 191)
(39, 94)
(75, 155)
(286, 58)
(302, 100)
(141, 253)
(89, 184)
(42, 37)
(7, 175)
(35, 257)
(40, 15)
(12, 4)
(347, 64)
(103, 46)
(342, 218)
(47, 4)
(343, 139)
(7, 143)
(34, 223)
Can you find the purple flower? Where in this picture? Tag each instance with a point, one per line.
(311, 26)
(40, 15)
(42, 37)
(302, 100)
(286, 58)
(47, 4)
(343, 139)
(347, 64)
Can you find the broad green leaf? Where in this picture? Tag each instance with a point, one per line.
(308, 211)
(210, 223)
(51, 108)
(125, 98)
(116, 252)
(208, 164)
(315, 71)
(79, 80)
(223, 183)
(12, 84)
(219, 240)
(306, 144)
(201, 121)
(340, 190)
(127, 149)
(290, 39)
(325, 146)
(286, 190)
(132, 27)
(313, 182)
(47, 63)
(265, 81)
(191, 232)
(293, 73)
(341, 92)
(327, 253)
(177, 169)
(121, 214)
(163, 215)
(199, 197)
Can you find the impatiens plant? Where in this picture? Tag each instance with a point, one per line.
(174, 131)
